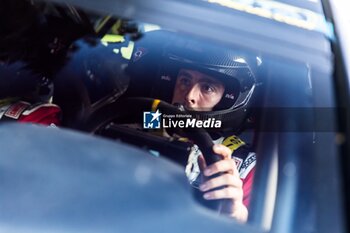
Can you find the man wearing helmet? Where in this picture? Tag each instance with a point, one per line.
(207, 82)
(198, 91)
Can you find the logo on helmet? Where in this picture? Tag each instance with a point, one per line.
(230, 96)
(165, 77)
(140, 52)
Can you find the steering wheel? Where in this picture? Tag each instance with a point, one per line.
(101, 120)
(132, 109)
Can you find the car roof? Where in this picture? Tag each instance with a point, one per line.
(279, 29)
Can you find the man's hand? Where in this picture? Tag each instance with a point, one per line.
(228, 180)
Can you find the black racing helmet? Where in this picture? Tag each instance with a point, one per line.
(160, 55)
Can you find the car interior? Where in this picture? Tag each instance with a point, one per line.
(285, 127)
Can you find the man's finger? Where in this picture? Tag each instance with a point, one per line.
(222, 166)
(201, 163)
(224, 180)
(227, 193)
(222, 150)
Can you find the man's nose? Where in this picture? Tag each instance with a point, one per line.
(192, 94)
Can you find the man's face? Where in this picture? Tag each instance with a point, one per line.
(197, 91)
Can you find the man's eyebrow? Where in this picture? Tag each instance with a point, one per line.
(185, 73)
(210, 80)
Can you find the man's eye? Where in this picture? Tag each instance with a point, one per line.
(185, 81)
(208, 88)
